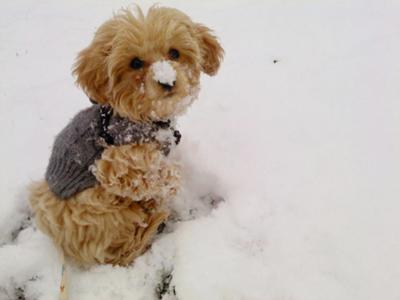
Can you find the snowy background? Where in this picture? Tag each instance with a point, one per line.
(299, 133)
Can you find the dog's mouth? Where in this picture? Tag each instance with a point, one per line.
(169, 94)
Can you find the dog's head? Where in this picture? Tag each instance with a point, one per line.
(147, 67)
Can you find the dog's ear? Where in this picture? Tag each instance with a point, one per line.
(90, 67)
(211, 51)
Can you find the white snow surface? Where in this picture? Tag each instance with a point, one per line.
(164, 72)
(299, 133)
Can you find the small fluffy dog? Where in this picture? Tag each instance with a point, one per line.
(110, 175)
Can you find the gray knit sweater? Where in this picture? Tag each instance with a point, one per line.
(84, 139)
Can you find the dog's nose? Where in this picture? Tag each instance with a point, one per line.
(166, 86)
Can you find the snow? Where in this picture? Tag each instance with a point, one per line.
(303, 151)
(164, 72)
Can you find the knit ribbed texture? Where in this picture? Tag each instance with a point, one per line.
(75, 149)
(79, 144)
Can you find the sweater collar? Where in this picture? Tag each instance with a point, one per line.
(106, 113)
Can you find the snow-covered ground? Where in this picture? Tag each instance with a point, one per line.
(299, 133)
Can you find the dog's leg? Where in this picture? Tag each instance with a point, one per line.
(139, 172)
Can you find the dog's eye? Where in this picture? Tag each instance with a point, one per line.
(136, 63)
(173, 54)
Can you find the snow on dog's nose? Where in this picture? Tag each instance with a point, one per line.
(164, 74)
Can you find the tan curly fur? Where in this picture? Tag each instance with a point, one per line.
(138, 172)
(115, 221)
(103, 71)
(96, 226)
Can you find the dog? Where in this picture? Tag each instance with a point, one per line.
(111, 176)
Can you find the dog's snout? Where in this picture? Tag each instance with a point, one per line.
(164, 74)
(166, 86)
